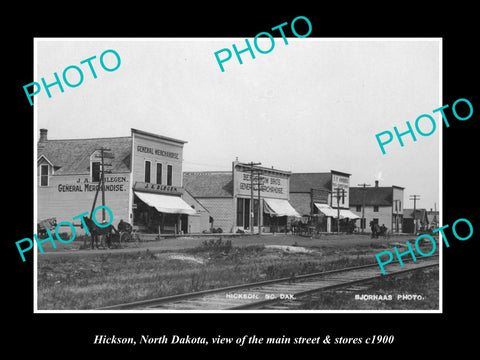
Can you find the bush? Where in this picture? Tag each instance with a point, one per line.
(217, 245)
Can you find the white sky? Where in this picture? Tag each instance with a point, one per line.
(310, 106)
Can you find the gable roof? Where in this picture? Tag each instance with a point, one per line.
(72, 156)
(420, 214)
(374, 196)
(209, 184)
(304, 182)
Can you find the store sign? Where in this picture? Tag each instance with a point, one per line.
(270, 186)
(159, 152)
(157, 188)
(112, 183)
(343, 183)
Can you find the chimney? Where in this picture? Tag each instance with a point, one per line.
(43, 135)
(376, 183)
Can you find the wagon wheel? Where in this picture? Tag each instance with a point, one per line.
(125, 237)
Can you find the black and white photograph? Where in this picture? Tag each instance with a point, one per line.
(258, 186)
(229, 180)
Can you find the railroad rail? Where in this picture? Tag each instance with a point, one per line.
(264, 293)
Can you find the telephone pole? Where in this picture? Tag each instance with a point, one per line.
(414, 198)
(338, 196)
(362, 225)
(259, 212)
(252, 164)
(104, 153)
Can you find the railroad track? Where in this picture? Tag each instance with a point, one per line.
(265, 293)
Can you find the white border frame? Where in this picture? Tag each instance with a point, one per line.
(35, 126)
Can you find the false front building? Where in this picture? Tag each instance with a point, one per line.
(244, 199)
(323, 198)
(142, 181)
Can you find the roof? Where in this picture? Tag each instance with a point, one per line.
(72, 156)
(374, 196)
(161, 137)
(209, 184)
(305, 182)
(262, 168)
(420, 214)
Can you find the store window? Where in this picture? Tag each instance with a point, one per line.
(243, 213)
(147, 170)
(239, 212)
(169, 174)
(159, 173)
(44, 175)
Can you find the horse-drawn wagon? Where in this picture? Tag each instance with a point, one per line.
(45, 224)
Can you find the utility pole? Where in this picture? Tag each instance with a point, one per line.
(396, 216)
(252, 164)
(259, 212)
(414, 198)
(362, 225)
(101, 184)
(338, 196)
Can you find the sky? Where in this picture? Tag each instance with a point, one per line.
(313, 105)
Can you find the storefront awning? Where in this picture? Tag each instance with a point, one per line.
(327, 210)
(166, 203)
(347, 214)
(279, 207)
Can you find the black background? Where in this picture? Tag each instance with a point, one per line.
(64, 334)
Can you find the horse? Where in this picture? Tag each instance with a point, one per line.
(375, 229)
(97, 231)
(300, 228)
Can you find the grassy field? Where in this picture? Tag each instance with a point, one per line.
(69, 280)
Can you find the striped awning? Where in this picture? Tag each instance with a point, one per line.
(326, 210)
(347, 214)
(170, 204)
(279, 207)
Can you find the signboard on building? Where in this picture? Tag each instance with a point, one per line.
(159, 152)
(341, 182)
(112, 183)
(270, 186)
(157, 188)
